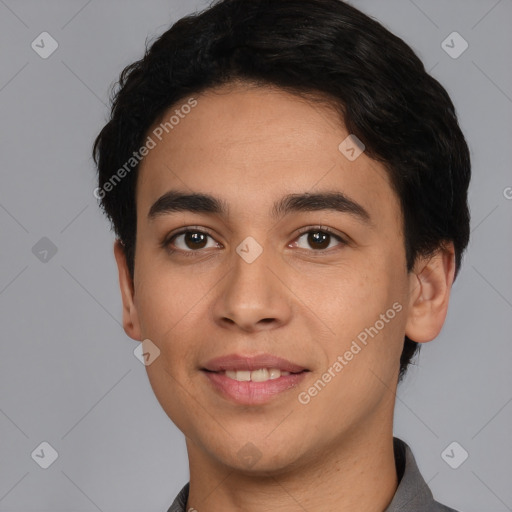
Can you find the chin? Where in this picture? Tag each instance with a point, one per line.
(260, 461)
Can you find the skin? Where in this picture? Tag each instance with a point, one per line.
(250, 146)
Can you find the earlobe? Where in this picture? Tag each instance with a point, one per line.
(430, 286)
(131, 323)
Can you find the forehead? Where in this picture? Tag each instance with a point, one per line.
(249, 146)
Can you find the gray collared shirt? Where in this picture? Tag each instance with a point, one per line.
(412, 494)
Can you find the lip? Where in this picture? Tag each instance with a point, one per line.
(238, 362)
(248, 392)
(252, 393)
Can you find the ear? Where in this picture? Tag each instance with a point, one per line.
(429, 293)
(131, 323)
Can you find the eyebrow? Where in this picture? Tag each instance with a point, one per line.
(176, 201)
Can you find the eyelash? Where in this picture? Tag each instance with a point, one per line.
(191, 229)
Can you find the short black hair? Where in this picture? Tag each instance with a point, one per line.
(327, 48)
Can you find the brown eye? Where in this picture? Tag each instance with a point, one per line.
(190, 241)
(319, 239)
(195, 240)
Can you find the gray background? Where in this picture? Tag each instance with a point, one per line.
(68, 375)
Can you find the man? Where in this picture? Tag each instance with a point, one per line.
(288, 187)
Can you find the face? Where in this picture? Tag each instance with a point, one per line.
(294, 262)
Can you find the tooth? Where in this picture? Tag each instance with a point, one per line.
(260, 375)
(243, 375)
(274, 373)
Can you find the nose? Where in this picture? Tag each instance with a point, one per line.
(253, 296)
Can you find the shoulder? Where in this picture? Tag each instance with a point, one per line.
(180, 502)
(439, 507)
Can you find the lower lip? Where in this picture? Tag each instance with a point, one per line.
(252, 393)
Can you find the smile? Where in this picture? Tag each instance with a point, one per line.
(261, 375)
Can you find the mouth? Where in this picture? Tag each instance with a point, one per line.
(259, 375)
(239, 363)
(252, 380)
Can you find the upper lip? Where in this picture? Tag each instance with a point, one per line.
(239, 362)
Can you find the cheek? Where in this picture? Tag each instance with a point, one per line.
(364, 305)
(168, 299)
(171, 304)
(168, 305)
(348, 297)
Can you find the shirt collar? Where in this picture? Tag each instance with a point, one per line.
(412, 493)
